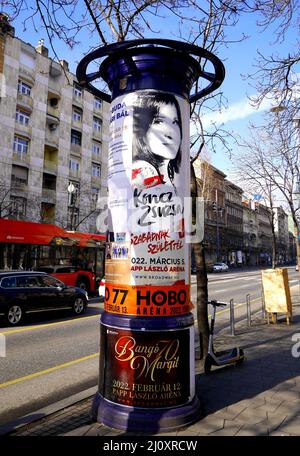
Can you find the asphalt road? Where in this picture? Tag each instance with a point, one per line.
(56, 355)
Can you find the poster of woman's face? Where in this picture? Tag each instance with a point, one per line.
(157, 133)
(164, 136)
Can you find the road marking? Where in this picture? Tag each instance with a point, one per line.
(47, 371)
(33, 328)
(223, 290)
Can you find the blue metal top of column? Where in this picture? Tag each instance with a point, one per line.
(159, 64)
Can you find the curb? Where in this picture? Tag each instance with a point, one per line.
(46, 411)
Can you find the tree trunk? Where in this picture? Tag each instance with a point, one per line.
(296, 234)
(201, 274)
(274, 248)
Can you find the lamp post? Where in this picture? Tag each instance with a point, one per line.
(219, 212)
(71, 191)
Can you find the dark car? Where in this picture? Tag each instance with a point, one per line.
(26, 292)
(71, 275)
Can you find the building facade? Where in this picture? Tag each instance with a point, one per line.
(281, 227)
(234, 225)
(54, 144)
(238, 231)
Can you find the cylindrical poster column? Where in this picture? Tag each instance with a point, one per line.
(147, 377)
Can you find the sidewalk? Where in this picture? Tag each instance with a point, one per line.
(261, 397)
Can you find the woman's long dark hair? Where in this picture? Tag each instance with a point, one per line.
(145, 111)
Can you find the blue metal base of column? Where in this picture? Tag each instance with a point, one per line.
(145, 419)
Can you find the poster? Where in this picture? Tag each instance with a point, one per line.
(148, 178)
(147, 368)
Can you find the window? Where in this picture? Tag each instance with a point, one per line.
(18, 207)
(76, 137)
(21, 145)
(50, 282)
(96, 170)
(49, 181)
(8, 282)
(28, 282)
(97, 124)
(19, 175)
(97, 103)
(96, 148)
(74, 166)
(24, 88)
(22, 116)
(77, 115)
(77, 91)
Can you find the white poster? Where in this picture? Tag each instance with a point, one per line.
(148, 178)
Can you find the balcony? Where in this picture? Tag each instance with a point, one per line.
(96, 157)
(52, 137)
(25, 101)
(96, 180)
(22, 158)
(77, 100)
(50, 166)
(55, 69)
(77, 124)
(97, 134)
(52, 112)
(18, 185)
(49, 195)
(52, 120)
(23, 130)
(54, 87)
(76, 149)
(74, 174)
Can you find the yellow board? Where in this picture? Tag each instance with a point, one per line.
(276, 291)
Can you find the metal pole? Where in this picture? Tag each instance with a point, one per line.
(263, 308)
(232, 330)
(248, 310)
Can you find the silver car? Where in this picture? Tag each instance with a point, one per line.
(219, 267)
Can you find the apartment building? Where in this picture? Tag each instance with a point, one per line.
(211, 186)
(54, 139)
(234, 232)
(238, 230)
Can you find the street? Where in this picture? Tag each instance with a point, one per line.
(56, 355)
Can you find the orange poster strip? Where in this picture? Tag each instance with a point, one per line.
(147, 301)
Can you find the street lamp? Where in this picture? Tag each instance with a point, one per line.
(71, 191)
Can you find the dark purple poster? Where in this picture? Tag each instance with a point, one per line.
(147, 368)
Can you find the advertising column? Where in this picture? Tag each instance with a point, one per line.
(147, 259)
(147, 372)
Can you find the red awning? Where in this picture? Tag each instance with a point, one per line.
(15, 231)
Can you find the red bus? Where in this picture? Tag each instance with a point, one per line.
(75, 258)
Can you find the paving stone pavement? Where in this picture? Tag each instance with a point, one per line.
(260, 397)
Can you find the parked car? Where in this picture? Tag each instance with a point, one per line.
(102, 289)
(219, 267)
(71, 275)
(25, 292)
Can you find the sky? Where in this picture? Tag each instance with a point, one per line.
(238, 58)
